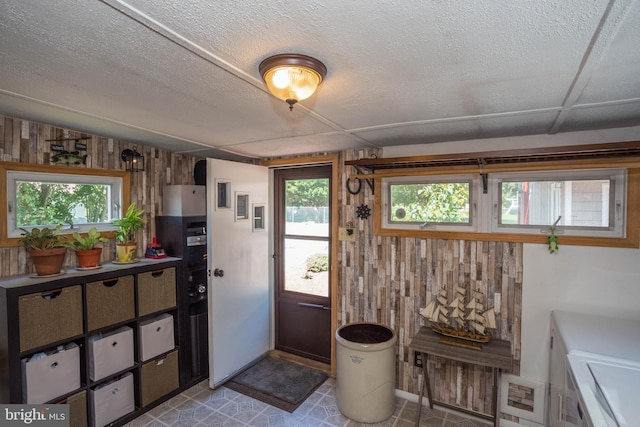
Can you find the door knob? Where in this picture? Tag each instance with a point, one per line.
(218, 272)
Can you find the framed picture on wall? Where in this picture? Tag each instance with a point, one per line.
(259, 219)
(522, 398)
(223, 194)
(242, 206)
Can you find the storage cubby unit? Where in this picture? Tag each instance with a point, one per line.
(106, 341)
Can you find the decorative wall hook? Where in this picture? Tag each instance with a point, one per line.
(359, 187)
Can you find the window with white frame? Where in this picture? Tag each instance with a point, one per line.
(588, 203)
(434, 203)
(78, 201)
(578, 203)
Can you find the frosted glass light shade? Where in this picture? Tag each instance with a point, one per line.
(292, 77)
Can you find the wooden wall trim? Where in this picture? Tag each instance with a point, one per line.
(631, 240)
(334, 160)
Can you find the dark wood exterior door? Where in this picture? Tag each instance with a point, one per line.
(302, 250)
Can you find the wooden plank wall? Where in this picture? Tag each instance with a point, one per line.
(25, 142)
(389, 279)
(381, 279)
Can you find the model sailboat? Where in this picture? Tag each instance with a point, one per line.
(460, 318)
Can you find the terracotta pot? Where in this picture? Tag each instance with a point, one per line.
(126, 252)
(48, 261)
(89, 259)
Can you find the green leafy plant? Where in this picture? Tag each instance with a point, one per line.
(41, 238)
(78, 242)
(317, 263)
(129, 224)
(552, 241)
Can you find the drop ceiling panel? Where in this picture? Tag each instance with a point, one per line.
(616, 77)
(184, 75)
(460, 130)
(125, 73)
(602, 117)
(320, 143)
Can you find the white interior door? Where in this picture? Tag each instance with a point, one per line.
(238, 256)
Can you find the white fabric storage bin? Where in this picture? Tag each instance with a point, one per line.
(52, 375)
(110, 352)
(156, 336)
(112, 400)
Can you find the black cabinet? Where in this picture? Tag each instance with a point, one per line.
(186, 237)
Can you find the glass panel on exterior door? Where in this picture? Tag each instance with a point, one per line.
(306, 266)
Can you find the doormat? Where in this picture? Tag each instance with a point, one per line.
(278, 382)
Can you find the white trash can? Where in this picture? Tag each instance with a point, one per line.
(366, 371)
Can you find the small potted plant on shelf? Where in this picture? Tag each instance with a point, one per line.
(46, 249)
(87, 253)
(128, 225)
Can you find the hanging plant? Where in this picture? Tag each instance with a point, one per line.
(552, 241)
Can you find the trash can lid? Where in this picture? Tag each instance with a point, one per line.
(366, 333)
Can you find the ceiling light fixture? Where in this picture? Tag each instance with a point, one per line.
(292, 77)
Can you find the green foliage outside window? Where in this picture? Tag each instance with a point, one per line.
(430, 202)
(40, 203)
(309, 198)
(317, 263)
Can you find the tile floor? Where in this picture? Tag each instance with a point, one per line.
(200, 406)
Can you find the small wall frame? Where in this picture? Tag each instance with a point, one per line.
(242, 206)
(223, 194)
(522, 398)
(259, 216)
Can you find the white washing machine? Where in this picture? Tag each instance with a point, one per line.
(594, 371)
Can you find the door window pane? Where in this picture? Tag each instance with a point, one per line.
(307, 207)
(306, 266)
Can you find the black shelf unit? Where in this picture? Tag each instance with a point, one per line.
(186, 238)
(13, 288)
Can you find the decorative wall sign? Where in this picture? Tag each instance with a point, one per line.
(522, 398)
(363, 211)
(68, 157)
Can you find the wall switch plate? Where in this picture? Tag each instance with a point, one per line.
(347, 234)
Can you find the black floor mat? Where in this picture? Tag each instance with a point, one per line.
(278, 382)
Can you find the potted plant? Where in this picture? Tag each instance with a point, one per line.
(87, 253)
(46, 249)
(128, 225)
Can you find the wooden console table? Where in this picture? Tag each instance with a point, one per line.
(496, 354)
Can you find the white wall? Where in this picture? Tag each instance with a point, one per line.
(604, 281)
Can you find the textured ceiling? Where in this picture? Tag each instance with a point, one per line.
(183, 75)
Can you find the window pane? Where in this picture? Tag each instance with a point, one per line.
(579, 203)
(306, 266)
(430, 202)
(49, 203)
(307, 207)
